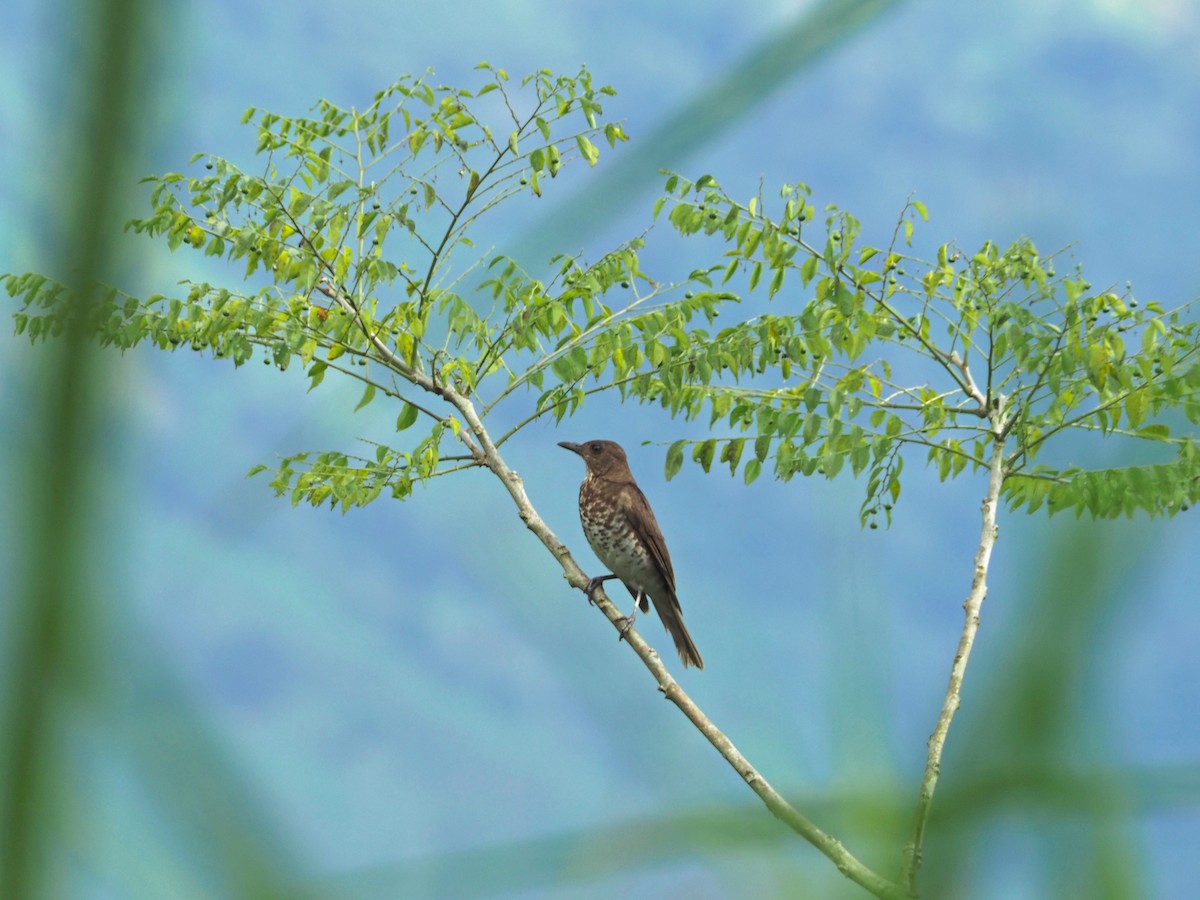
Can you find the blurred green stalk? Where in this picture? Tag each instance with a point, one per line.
(52, 627)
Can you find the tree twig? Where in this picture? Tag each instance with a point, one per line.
(953, 699)
(969, 387)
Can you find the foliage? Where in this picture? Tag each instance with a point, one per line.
(950, 356)
(353, 233)
(370, 210)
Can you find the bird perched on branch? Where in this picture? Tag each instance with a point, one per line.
(621, 528)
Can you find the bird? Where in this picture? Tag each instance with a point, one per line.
(623, 533)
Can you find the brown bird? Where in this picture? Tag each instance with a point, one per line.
(621, 528)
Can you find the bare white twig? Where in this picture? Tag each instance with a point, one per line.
(846, 863)
(970, 387)
(983, 555)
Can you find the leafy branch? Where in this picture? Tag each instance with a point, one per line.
(1064, 357)
(1032, 354)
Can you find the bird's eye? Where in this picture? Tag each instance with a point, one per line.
(596, 448)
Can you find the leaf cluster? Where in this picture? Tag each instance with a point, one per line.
(877, 349)
(348, 238)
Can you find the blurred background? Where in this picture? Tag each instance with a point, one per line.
(212, 694)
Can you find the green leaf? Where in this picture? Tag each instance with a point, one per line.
(563, 368)
(407, 417)
(776, 283)
(613, 133)
(750, 473)
(1135, 407)
(316, 373)
(1155, 432)
(674, 459)
(367, 397)
(588, 149)
(732, 453)
(808, 270)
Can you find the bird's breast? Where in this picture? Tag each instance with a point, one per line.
(613, 537)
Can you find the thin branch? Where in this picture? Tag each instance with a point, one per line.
(537, 414)
(455, 215)
(461, 467)
(389, 357)
(970, 388)
(937, 741)
(1025, 405)
(579, 340)
(326, 287)
(939, 355)
(846, 863)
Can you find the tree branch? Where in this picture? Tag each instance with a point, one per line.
(969, 387)
(952, 366)
(388, 356)
(846, 863)
(937, 741)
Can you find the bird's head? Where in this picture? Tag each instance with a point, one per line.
(604, 459)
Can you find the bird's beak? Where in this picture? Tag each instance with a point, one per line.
(574, 448)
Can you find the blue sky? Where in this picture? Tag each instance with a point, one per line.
(415, 680)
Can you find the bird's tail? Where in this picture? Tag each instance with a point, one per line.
(672, 619)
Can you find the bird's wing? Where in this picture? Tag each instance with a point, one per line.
(637, 509)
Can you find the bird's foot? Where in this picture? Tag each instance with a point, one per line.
(626, 624)
(595, 583)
